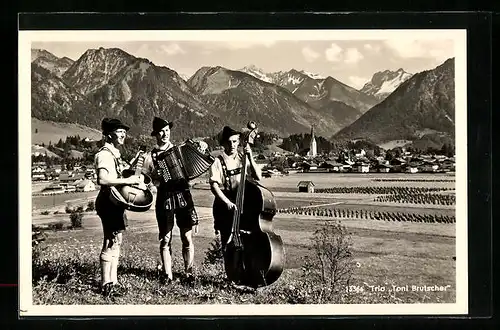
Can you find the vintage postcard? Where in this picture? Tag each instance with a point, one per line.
(252, 172)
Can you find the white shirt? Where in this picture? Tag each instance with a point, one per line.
(106, 160)
(232, 162)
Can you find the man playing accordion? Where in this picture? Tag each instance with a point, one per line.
(173, 199)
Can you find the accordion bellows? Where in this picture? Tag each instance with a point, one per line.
(184, 161)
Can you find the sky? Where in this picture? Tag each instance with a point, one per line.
(353, 62)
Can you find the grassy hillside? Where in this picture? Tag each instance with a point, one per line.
(45, 131)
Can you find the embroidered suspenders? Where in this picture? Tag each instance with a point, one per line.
(227, 174)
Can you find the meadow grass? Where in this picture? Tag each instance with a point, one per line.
(386, 254)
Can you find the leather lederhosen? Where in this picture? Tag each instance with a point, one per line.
(173, 196)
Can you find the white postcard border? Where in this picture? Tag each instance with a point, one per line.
(24, 114)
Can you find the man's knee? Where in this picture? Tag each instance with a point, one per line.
(186, 237)
(111, 246)
(165, 241)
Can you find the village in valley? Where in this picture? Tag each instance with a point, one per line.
(81, 177)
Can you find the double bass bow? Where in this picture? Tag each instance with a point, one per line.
(254, 255)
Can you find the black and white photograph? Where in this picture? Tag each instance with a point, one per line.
(243, 172)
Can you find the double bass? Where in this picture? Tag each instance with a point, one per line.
(254, 255)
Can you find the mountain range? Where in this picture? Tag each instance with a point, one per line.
(110, 82)
(50, 62)
(383, 83)
(422, 105)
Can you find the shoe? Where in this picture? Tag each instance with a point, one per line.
(118, 290)
(243, 288)
(165, 280)
(106, 289)
(189, 279)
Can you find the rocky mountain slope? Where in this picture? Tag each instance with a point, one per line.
(110, 82)
(383, 83)
(50, 62)
(239, 97)
(53, 99)
(425, 102)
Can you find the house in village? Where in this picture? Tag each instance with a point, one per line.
(333, 166)
(52, 189)
(309, 166)
(38, 173)
(429, 166)
(70, 177)
(306, 186)
(85, 185)
(397, 164)
(383, 167)
(361, 167)
(57, 169)
(412, 167)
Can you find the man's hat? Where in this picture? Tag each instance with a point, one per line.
(159, 124)
(108, 125)
(226, 133)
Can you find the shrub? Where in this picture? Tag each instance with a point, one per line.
(91, 206)
(328, 271)
(44, 212)
(37, 238)
(76, 218)
(68, 209)
(56, 226)
(79, 209)
(214, 254)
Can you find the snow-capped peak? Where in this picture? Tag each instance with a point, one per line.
(256, 72)
(385, 82)
(312, 75)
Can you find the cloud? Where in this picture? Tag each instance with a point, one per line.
(439, 49)
(309, 54)
(358, 82)
(237, 44)
(334, 53)
(172, 49)
(372, 48)
(353, 56)
(148, 50)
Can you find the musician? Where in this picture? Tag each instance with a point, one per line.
(224, 177)
(109, 166)
(173, 199)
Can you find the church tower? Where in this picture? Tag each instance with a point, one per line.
(312, 144)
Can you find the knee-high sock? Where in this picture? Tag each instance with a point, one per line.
(188, 255)
(166, 257)
(116, 248)
(105, 259)
(114, 265)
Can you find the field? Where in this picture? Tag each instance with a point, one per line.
(46, 131)
(399, 247)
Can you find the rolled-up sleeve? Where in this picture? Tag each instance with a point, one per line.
(104, 160)
(215, 173)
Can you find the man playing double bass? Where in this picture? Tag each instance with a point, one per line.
(224, 176)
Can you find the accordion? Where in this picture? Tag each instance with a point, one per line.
(184, 161)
